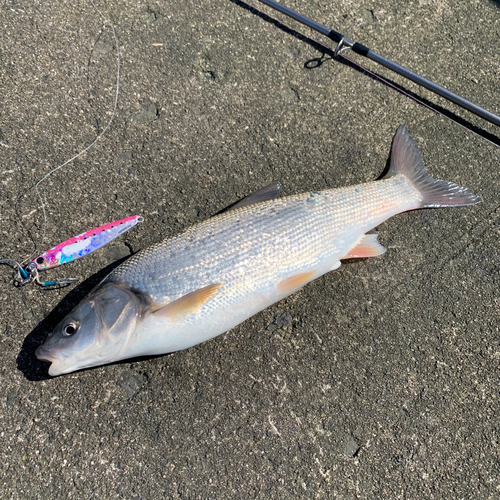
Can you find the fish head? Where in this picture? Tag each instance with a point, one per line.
(96, 332)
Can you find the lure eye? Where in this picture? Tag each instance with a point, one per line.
(69, 329)
(40, 260)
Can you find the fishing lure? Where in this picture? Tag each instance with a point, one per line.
(75, 248)
(83, 244)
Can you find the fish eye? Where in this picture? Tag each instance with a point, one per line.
(70, 329)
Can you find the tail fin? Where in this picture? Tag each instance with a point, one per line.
(406, 160)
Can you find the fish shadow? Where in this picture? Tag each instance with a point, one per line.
(27, 363)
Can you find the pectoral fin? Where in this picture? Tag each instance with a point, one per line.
(293, 282)
(188, 304)
(368, 246)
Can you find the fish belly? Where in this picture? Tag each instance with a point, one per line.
(159, 336)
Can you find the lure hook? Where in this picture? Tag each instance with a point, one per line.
(24, 274)
(57, 283)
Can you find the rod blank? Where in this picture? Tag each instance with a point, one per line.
(397, 68)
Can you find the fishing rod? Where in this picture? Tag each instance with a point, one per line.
(344, 43)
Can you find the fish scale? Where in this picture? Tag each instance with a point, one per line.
(208, 279)
(267, 242)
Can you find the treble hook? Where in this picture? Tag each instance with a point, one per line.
(29, 273)
(24, 275)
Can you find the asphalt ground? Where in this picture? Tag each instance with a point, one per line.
(379, 380)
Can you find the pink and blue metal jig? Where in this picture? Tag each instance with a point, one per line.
(72, 249)
(85, 243)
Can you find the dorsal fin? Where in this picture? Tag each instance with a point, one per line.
(264, 194)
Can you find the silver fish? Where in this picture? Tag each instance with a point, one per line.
(208, 279)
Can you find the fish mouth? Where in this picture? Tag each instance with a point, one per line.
(56, 360)
(43, 355)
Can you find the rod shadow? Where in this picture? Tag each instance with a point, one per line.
(327, 51)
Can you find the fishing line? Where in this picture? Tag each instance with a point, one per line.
(343, 45)
(30, 273)
(416, 99)
(42, 204)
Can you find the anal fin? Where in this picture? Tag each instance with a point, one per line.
(188, 304)
(368, 246)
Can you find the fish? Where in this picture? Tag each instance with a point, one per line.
(216, 274)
